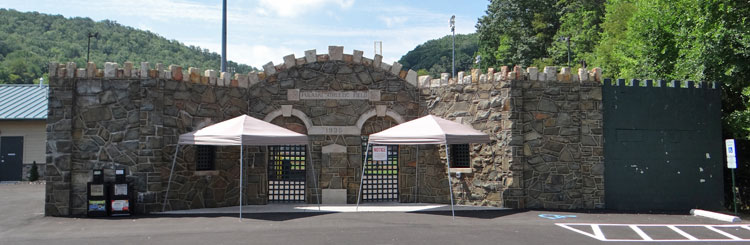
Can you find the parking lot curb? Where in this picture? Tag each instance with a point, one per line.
(715, 215)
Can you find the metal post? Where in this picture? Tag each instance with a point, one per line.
(88, 44)
(166, 195)
(734, 194)
(224, 38)
(417, 180)
(568, 51)
(315, 179)
(450, 186)
(362, 178)
(88, 49)
(453, 30)
(241, 174)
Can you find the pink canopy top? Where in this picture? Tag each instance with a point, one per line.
(243, 130)
(429, 130)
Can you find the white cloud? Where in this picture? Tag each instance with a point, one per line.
(294, 8)
(391, 21)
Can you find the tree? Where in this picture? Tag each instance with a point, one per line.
(34, 172)
(516, 32)
(28, 41)
(435, 55)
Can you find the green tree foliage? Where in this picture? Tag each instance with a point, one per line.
(434, 56)
(517, 32)
(700, 40)
(580, 21)
(28, 41)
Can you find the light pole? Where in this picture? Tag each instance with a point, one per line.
(224, 38)
(453, 56)
(566, 39)
(88, 45)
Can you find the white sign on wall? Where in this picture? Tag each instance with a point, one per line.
(379, 153)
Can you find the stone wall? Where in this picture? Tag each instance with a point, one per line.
(545, 131)
(317, 90)
(130, 118)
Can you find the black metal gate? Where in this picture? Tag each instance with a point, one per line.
(286, 173)
(11, 158)
(381, 177)
(663, 147)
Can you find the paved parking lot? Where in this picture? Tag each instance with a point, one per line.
(22, 222)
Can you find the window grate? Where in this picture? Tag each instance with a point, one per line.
(460, 157)
(205, 156)
(381, 177)
(286, 173)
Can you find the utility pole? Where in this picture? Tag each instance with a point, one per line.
(566, 39)
(224, 38)
(453, 56)
(88, 45)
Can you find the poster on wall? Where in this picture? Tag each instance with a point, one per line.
(379, 153)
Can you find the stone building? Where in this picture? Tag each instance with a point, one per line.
(546, 129)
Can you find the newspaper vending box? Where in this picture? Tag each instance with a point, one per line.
(97, 193)
(121, 193)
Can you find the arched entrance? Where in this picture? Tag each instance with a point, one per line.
(380, 180)
(287, 166)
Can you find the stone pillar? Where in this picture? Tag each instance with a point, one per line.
(59, 147)
(145, 173)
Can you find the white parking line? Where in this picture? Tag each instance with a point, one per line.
(597, 233)
(688, 236)
(723, 233)
(641, 233)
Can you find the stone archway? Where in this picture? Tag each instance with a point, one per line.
(287, 166)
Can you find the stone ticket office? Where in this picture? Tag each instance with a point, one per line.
(547, 130)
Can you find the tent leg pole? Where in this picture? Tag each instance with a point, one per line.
(242, 156)
(169, 183)
(315, 179)
(362, 177)
(416, 199)
(450, 186)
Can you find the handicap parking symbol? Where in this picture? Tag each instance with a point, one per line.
(555, 216)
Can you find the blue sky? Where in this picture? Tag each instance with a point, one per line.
(266, 30)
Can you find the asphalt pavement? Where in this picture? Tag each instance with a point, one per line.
(22, 222)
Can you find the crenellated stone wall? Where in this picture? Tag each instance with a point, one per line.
(130, 117)
(546, 132)
(546, 129)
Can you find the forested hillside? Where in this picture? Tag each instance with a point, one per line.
(434, 56)
(28, 41)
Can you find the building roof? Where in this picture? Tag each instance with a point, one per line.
(23, 102)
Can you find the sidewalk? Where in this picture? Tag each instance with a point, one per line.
(330, 208)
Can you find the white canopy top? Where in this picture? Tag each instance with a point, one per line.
(243, 130)
(429, 130)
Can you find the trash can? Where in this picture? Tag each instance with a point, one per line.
(97, 193)
(121, 195)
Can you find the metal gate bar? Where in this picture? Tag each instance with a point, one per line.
(286, 173)
(381, 177)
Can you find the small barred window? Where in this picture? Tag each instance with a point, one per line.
(204, 157)
(460, 157)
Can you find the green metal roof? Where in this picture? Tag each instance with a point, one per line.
(23, 102)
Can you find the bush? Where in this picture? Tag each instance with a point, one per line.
(34, 172)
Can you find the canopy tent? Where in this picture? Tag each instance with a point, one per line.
(426, 130)
(239, 131)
